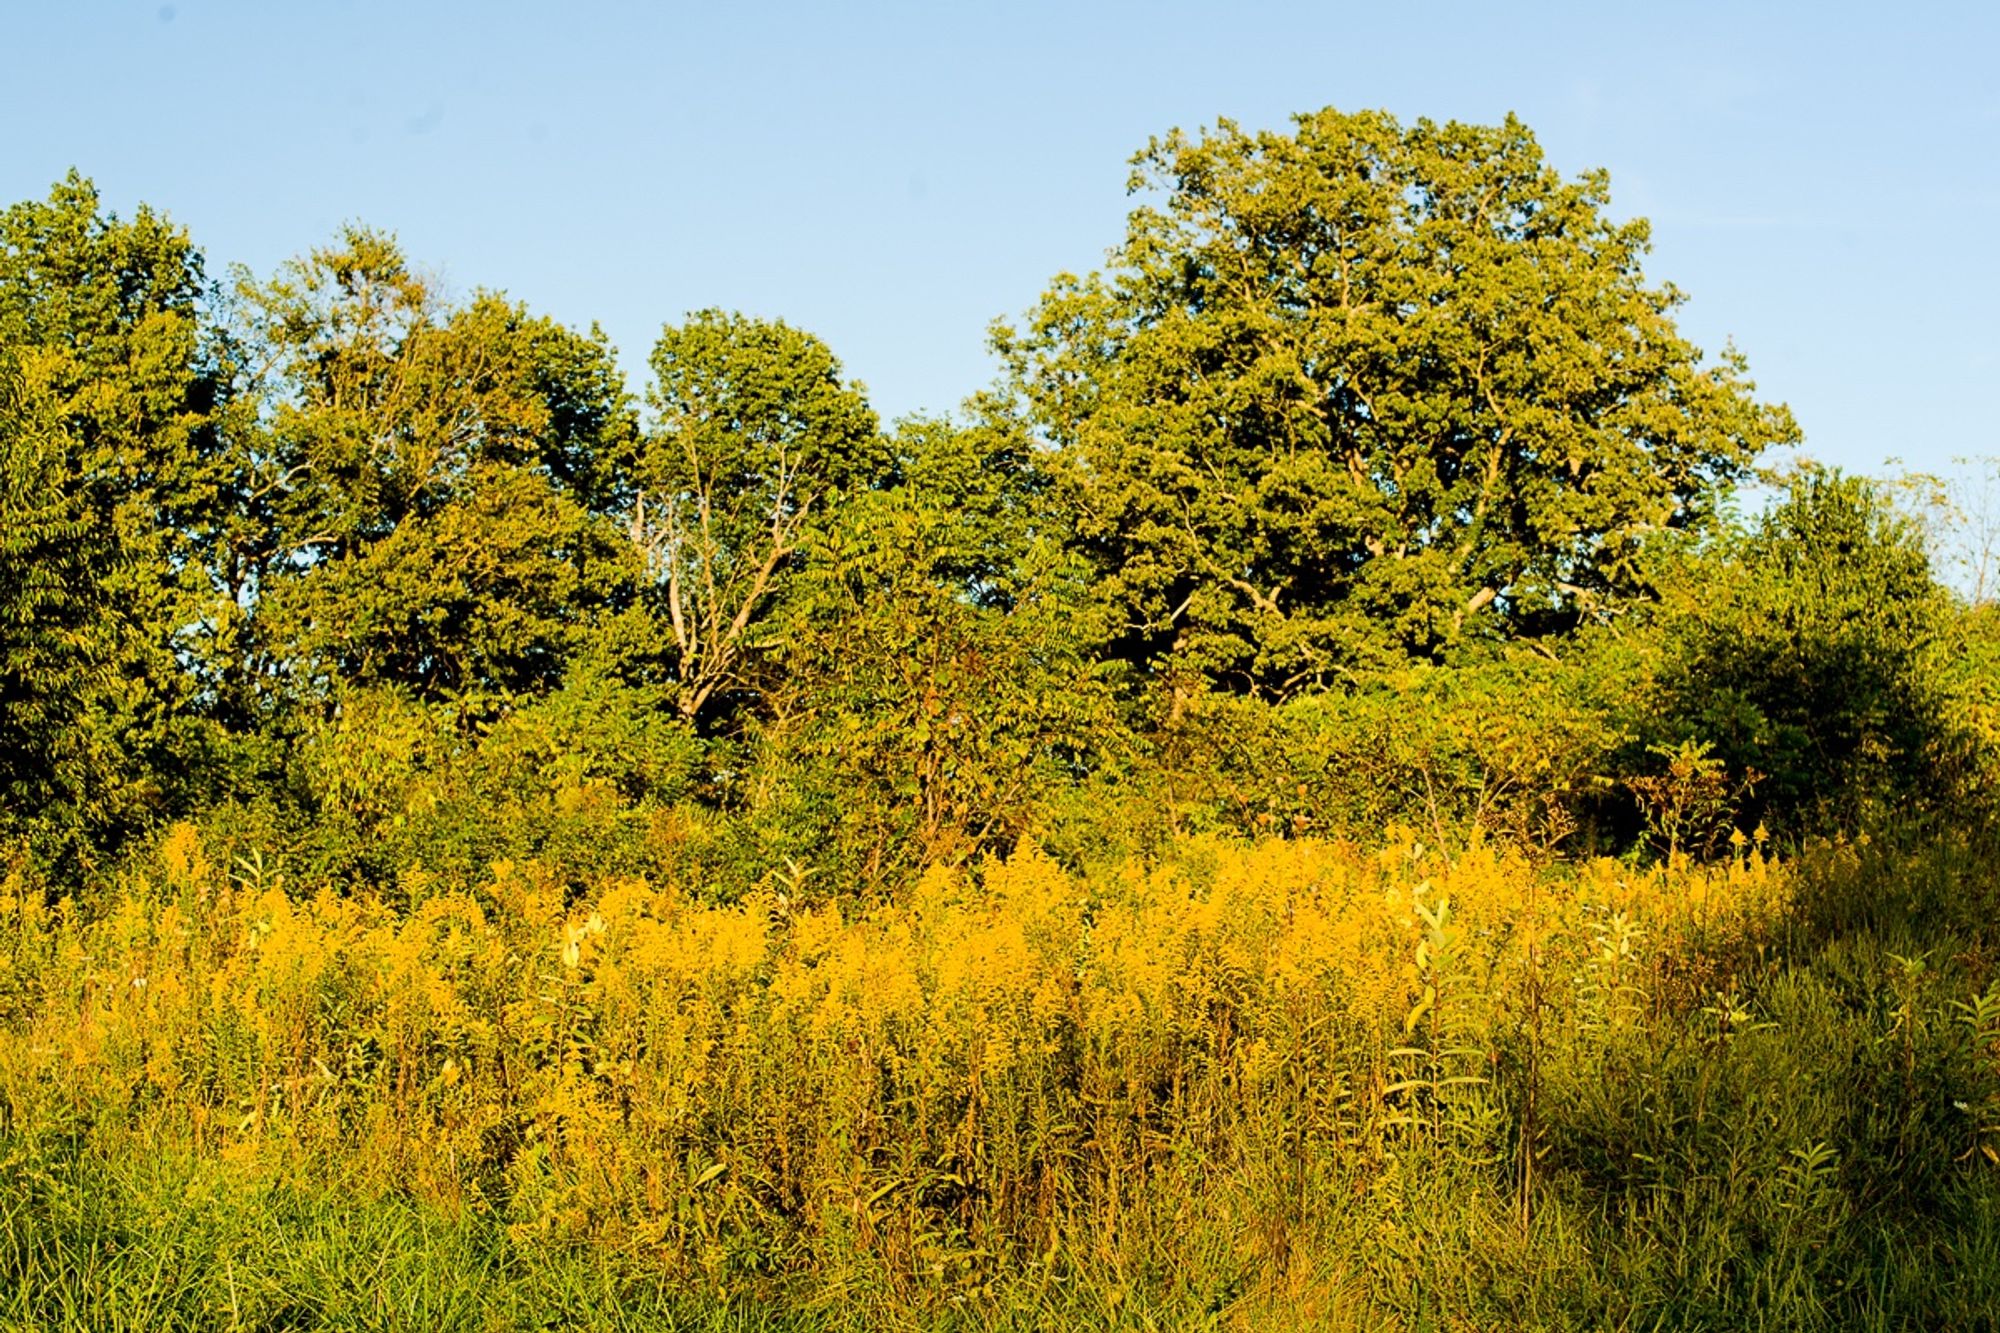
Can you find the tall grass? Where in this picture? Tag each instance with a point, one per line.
(1284, 1084)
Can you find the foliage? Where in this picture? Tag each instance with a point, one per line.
(409, 798)
(433, 483)
(937, 688)
(1132, 854)
(1690, 809)
(1970, 682)
(1958, 513)
(1810, 655)
(757, 437)
(108, 394)
(1360, 392)
(1520, 746)
(60, 630)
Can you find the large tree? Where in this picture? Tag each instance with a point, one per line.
(59, 645)
(1354, 393)
(938, 682)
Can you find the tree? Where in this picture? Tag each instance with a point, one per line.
(434, 488)
(756, 438)
(1958, 513)
(111, 391)
(1350, 395)
(58, 644)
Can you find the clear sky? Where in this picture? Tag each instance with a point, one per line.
(1824, 179)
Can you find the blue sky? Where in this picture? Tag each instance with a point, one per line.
(1824, 180)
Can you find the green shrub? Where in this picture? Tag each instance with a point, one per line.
(1809, 654)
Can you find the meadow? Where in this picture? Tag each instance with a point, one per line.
(1249, 1084)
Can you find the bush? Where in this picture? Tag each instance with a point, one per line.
(1515, 746)
(1812, 655)
(393, 795)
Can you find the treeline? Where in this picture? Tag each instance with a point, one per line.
(1370, 482)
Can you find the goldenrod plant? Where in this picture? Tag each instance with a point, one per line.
(1257, 1084)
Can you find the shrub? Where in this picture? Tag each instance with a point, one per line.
(1812, 654)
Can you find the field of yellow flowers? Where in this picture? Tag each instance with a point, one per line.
(1259, 1085)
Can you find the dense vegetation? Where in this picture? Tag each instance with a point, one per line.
(1310, 802)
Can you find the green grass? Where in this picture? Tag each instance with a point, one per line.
(163, 1242)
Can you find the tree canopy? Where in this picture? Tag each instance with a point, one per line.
(1356, 393)
(1807, 653)
(1364, 432)
(433, 484)
(112, 491)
